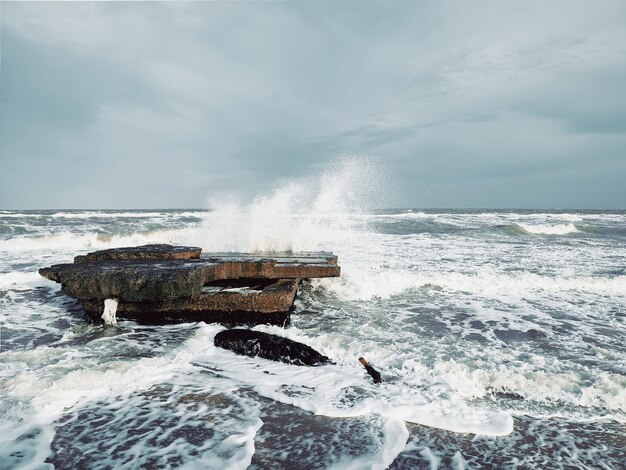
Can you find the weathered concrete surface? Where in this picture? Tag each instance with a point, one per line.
(129, 280)
(229, 319)
(274, 296)
(154, 279)
(258, 344)
(160, 251)
(273, 266)
(321, 257)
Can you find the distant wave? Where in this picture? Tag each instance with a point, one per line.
(130, 214)
(549, 229)
(539, 229)
(539, 385)
(403, 215)
(84, 241)
(101, 214)
(360, 285)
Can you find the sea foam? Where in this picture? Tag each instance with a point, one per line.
(549, 229)
(323, 390)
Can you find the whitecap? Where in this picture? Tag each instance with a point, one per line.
(549, 229)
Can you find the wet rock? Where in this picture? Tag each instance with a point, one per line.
(152, 279)
(130, 280)
(276, 348)
(158, 282)
(160, 251)
(236, 302)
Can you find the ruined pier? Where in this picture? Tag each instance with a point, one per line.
(160, 283)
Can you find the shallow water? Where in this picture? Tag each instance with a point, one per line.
(499, 334)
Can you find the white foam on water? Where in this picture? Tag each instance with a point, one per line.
(20, 280)
(110, 309)
(395, 438)
(533, 377)
(433, 459)
(404, 215)
(549, 229)
(323, 390)
(53, 387)
(58, 389)
(539, 384)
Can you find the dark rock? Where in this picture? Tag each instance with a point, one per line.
(276, 348)
(228, 319)
(161, 251)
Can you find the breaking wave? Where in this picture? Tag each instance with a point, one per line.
(19, 280)
(106, 214)
(306, 214)
(66, 240)
(608, 391)
(548, 229)
(358, 284)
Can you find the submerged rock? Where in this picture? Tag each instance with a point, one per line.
(276, 348)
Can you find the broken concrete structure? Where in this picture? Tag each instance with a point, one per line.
(164, 282)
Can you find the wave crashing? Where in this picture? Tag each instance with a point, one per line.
(548, 229)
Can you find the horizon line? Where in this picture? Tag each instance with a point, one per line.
(346, 212)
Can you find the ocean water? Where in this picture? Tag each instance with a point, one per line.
(500, 336)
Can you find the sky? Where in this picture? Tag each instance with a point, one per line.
(491, 104)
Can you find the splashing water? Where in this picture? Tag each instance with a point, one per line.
(110, 309)
(307, 214)
(549, 229)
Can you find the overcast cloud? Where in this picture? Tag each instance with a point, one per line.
(465, 104)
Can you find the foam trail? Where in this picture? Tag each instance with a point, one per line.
(326, 384)
(110, 308)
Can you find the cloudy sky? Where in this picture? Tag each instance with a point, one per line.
(463, 104)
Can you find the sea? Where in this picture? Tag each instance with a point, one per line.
(500, 336)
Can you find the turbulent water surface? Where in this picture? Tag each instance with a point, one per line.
(499, 334)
